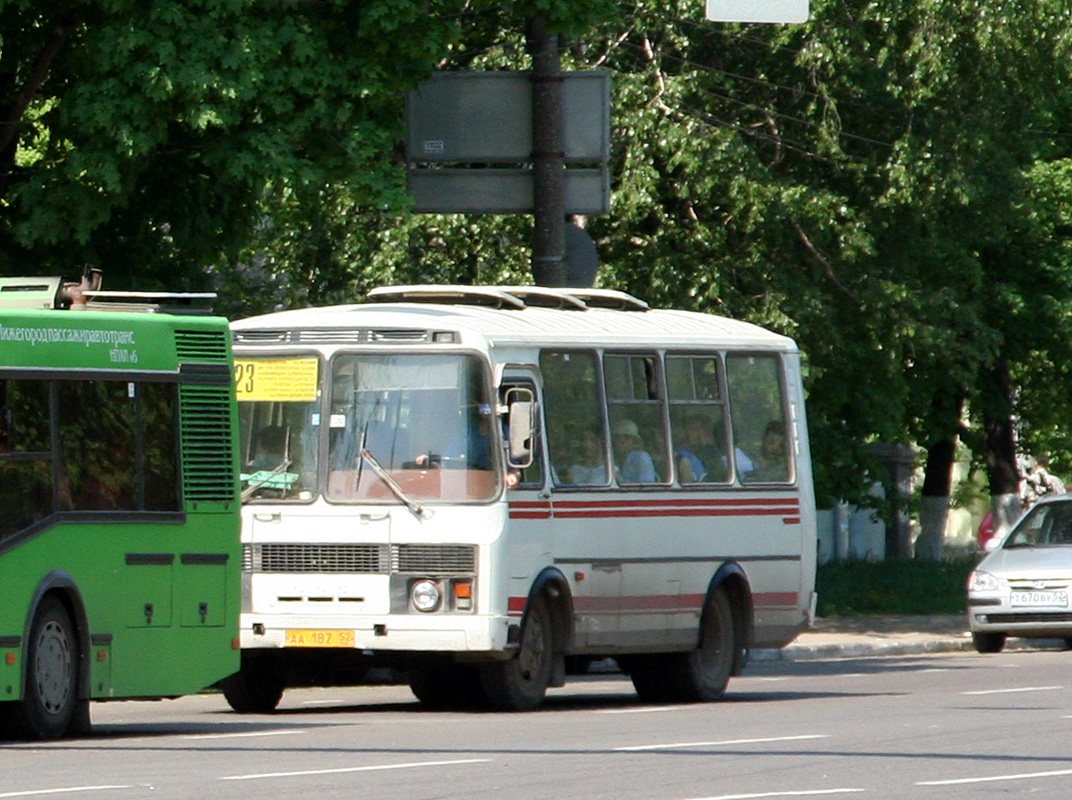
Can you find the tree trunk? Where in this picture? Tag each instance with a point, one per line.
(937, 477)
(1001, 447)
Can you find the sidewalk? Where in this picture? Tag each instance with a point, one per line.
(856, 637)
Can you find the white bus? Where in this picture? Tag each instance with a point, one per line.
(483, 485)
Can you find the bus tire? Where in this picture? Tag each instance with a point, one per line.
(256, 688)
(988, 642)
(447, 686)
(50, 699)
(701, 675)
(649, 676)
(520, 683)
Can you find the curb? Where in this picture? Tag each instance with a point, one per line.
(799, 652)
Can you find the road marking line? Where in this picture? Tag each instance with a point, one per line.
(722, 743)
(1055, 774)
(352, 769)
(31, 792)
(799, 793)
(647, 709)
(1014, 691)
(237, 735)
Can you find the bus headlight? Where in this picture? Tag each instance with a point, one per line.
(425, 595)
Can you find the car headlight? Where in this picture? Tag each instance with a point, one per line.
(980, 581)
(425, 595)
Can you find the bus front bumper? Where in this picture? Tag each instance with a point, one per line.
(410, 633)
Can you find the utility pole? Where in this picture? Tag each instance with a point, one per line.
(548, 246)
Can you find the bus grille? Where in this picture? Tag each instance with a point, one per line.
(204, 345)
(360, 558)
(434, 559)
(208, 467)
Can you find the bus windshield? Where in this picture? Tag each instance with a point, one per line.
(426, 419)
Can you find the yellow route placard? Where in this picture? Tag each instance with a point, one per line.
(282, 380)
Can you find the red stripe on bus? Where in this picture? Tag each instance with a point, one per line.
(677, 512)
(775, 600)
(715, 503)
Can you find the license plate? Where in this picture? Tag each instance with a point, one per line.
(1040, 599)
(319, 639)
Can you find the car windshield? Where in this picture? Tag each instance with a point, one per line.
(1044, 524)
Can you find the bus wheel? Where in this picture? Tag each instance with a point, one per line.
(701, 675)
(520, 683)
(51, 696)
(256, 688)
(988, 642)
(445, 686)
(649, 676)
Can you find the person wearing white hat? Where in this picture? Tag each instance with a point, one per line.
(634, 464)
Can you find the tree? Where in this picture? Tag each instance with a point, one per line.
(154, 139)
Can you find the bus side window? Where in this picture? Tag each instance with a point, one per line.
(697, 419)
(757, 407)
(635, 409)
(26, 481)
(574, 418)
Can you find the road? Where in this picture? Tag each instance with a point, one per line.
(931, 727)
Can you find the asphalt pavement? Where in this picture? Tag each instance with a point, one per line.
(855, 637)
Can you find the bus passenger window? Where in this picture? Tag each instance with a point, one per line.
(697, 419)
(574, 418)
(635, 407)
(757, 406)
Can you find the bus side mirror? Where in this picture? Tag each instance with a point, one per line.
(521, 426)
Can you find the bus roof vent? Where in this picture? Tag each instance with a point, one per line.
(158, 302)
(30, 292)
(545, 297)
(608, 298)
(447, 294)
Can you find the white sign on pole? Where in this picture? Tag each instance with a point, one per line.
(757, 10)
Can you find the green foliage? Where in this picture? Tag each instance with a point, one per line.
(888, 183)
(899, 586)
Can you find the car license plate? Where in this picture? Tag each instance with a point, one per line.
(319, 639)
(1040, 599)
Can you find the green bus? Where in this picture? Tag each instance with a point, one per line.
(119, 511)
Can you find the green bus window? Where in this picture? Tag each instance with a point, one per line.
(97, 445)
(24, 417)
(757, 408)
(25, 495)
(575, 436)
(160, 443)
(25, 483)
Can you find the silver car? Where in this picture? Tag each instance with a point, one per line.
(1023, 587)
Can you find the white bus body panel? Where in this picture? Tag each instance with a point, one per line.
(638, 563)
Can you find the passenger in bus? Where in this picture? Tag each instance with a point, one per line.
(591, 467)
(770, 464)
(634, 463)
(696, 449)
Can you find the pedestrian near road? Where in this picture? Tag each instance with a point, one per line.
(1039, 481)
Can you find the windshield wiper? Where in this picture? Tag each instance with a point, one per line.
(419, 511)
(255, 485)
